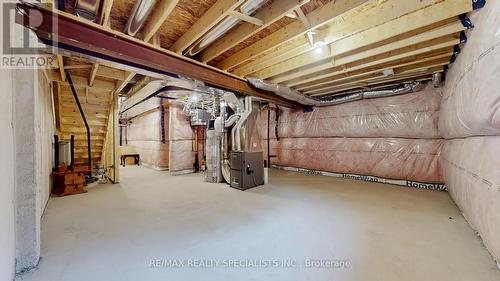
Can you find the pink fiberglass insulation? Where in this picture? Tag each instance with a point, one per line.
(181, 141)
(470, 119)
(471, 169)
(145, 134)
(393, 137)
(393, 158)
(413, 115)
(471, 101)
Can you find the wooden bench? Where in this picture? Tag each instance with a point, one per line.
(125, 156)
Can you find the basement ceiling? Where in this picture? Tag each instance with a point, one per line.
(318, 47)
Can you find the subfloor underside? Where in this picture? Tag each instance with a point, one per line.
(154, 226)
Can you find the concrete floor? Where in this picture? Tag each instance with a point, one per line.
(385, 232)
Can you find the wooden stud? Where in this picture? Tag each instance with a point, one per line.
(60, 62)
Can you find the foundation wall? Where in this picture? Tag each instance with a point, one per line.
(470, 121)
(394, 137)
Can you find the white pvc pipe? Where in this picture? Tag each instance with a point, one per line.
(235, 133)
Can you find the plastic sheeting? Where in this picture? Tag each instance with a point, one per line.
(409, 159)
(413, 115)
(181, 141)
(144, 133)
(471, 101)
(471, 109)
(471, 169)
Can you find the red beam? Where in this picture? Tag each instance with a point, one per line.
(68, 32)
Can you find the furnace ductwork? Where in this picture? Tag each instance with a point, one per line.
(292, 94)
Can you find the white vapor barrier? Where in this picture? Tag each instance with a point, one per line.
(471, 169)
(471, 101)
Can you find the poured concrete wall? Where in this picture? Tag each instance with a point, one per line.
(7, 229)
(470, 121)
(27, 129)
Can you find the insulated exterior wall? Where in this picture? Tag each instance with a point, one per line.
(471, 169)
(145, 134)
(394, 137)
(181, 141)
(470, 120)
(412, 115)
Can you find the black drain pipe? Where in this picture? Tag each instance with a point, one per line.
(68, 76)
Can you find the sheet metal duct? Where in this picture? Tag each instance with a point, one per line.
(87, 9)
(224, 26)
(140, 13)
(292, 94)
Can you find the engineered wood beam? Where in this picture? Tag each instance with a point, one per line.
(378, 69)
(317, 18)
(220, 10)
(352, 22)
(399, 70)
(438, 45)
(269, 15)
(160, 14)
(407, 23)
(84, 82)
(112, 73)
(369, 84)
(418, 41)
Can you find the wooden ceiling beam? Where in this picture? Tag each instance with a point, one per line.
(220, 10)
(269, 15)
(84, 82)
(160, 14)
(438, 45)
(370, 15)
(112, 73)
(308, 76)
(416, 66)
(377, 70)
(317, 18)
(404, 24)
(369, 84)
